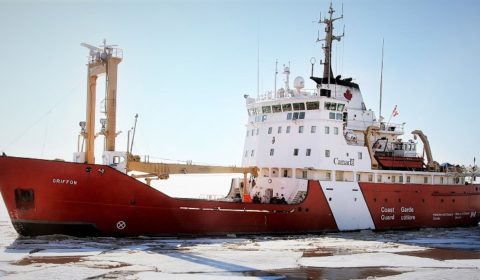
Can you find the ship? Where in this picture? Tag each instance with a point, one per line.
(313, 161)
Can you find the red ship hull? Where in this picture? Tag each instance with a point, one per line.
(55, 197)
(405, 206)
(104, 201)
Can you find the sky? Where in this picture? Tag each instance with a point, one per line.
(187, 64)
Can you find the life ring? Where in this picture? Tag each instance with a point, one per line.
(270, 181)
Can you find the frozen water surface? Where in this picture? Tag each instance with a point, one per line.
(422, 254)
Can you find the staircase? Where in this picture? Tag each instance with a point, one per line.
(298, 197)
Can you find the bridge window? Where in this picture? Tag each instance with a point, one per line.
(331, 106)
(287, 107)
(340, 107)
(313, 105)
(298, 106)
(331, 115)
(339, 116)
(266, 109)
(295, 152)
(277, 108)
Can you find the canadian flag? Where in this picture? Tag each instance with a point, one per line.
(395, 111)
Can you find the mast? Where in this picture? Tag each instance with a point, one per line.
(101, 60)
(329, 38)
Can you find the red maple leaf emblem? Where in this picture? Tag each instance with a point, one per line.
(348, 95)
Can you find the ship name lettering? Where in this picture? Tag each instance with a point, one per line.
(387, 210)
(350, 162)
(407, 209)
(64, 181)
(407, 218)
(387, 217)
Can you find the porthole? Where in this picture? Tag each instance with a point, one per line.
(399, 200)
(423, 200)
(374, 200)
(453, 200)
(441, 200)
(329, 199)
(386, 200)
(299, 209)
(306, 209)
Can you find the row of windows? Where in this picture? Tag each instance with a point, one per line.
(279, 108)
(301, 116)
(308, 152)
(313, 129)
(350, 176)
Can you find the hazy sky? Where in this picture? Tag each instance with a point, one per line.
(187, 65)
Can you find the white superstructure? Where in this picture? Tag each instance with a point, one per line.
(327, 134)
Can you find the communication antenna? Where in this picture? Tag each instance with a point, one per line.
(381, 81)
(276, 73)
(134, 130)
(258, 65)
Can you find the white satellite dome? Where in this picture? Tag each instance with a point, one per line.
(299, 83)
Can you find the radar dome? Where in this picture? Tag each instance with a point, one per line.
(299, 83)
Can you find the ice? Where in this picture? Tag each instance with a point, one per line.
(381, 260)
(348, 255)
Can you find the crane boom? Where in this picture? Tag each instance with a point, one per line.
(163, 170)
(155, 171)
